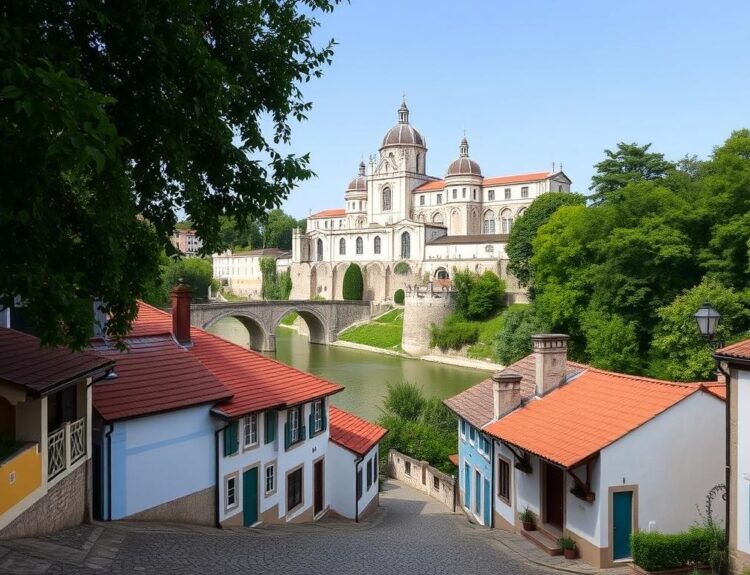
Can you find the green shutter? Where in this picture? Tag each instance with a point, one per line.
(287, 435)
(270, 422)
(324, 414)
(310, 420)
(230, 439)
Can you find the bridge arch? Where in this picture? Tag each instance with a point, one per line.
(258, 335)
(317, 326)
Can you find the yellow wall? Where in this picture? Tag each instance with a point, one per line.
(27, 466)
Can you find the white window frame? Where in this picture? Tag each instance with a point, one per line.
(317, 410)
(250, 424)
(230, 493)
(270, 470)
(524, 192)
(490, 195)
(294, 423)
(508, 193)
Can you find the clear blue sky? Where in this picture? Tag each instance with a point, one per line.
(532, 82)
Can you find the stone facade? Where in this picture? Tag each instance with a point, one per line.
(422, 476)
(65, 505)
(422, 309)
(198, 508)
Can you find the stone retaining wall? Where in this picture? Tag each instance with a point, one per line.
(422, 476)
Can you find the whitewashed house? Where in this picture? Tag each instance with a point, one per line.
(597, 455)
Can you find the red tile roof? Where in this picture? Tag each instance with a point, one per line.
(214, 368)
(154, 375)
(488, 182)
(334, 213)
(739, 350)
(43, 369)
(430, 186)
(717, 389)
(352, 432)
(575, 421)
(453, 458)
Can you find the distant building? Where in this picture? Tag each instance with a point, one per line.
(396, 212)
(241, 273)
(187, 242)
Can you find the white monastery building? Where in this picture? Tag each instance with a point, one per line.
(395, 212)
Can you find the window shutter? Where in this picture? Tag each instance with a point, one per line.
(311, 422)
(230, 439)
(287, 435)
(270, 422)
(324, 415)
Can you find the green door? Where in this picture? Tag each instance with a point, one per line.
(250, 497)
(622, 524)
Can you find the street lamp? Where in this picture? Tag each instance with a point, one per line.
(708, 320)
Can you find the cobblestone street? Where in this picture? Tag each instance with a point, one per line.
(409, 534)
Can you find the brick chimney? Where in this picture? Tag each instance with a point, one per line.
(550, 355)
(181, 296)
(506, 392)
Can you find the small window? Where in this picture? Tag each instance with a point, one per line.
(342, 247)
(407, 467)
(326, 224)
(503, 479)
(436, 483)
(472, 434)
(250, 431)
(559, 188)
(525, 192)
(369, 474)
(360, 246)
(293, 489)
(463, 192)
(231, 491)
(439, 199)
(463, 428)
(421, 200)
(474, 194)
(507, 193)
(376, 245)
(270, 479)
(455, 194)
(386, 197)
(317, 416)
(490, 195)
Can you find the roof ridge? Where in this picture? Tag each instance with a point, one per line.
(645, 378)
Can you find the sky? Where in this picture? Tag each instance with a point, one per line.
(532, 82)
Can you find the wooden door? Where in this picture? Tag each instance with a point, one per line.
(554, 496)
(250, 497)
(318, 486)
(622, 524)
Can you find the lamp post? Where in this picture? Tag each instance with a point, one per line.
(708, 320)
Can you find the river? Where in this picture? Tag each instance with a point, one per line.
(364, 374)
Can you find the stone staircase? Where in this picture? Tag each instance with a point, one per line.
(546, 541)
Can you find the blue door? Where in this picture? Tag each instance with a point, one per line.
(622, 524)
(250, 497)
(467, 486)
(477, 493)
(487, 494)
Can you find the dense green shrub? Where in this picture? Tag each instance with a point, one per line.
(353, 283)
(658, 551)
(478, 296)
(513, 341)
(398, 297)
(401, 268)
(453, 334)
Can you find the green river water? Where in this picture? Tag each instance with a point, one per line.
(364, 374)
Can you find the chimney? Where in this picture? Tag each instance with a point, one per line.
(550, 355)
(506, 392)
(181, 296)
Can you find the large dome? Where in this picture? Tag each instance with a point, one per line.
(403, 133)
(464, 166)
(358, 184)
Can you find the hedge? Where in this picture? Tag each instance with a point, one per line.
(398, 297)
(659, 551)
(353, 283)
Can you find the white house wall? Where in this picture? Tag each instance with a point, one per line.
(160, 458)
(742, 474)
(340, 480)
(585, 519)
(527, 487)
(507, 512)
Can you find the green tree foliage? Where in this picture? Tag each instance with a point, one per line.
(399, 296)
(195, 272)
(513, 341)
(401, 268)
(678, 350)
(519, 248)
(419, 427)
(114, 118)
(274, 286)
(628, 163)
(277, 229)
(478, 296)
(611, 342)
(353, 283)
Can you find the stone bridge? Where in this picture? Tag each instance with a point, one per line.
(324, 319)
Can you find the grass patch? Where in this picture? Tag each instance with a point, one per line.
(484, 348)
(383, 332)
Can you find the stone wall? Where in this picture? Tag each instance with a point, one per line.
(422, 476)
(421, 310)
(65, 505)
(198, 508)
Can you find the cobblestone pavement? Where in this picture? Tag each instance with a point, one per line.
(409, 534)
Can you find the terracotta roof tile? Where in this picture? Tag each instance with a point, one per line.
(352, 432)
(334, 213)
(41, 369)
(430, 186)
(475, 404)
(739, 350)
(489, 182)
(717, 389)
(575, 421)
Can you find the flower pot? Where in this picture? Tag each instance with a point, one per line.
(529, 526)
(570, 553)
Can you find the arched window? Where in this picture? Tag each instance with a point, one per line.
(376, 245)
(386, 199)
(320, 250)
(442, 274)
(521, 212)
(506, 221)
(342, 247)
(488, 225)
(437, 218)
(405, 246)
(418, 162)
(360, 246)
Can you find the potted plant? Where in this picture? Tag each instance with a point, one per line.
(568, 546)
(528, 519)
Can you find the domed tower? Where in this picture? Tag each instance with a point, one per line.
(405, 145)
(356, 198)
(463, 193)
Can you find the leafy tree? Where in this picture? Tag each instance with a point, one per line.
(519, 248)
(463, 283)
(353, 283)
(115, 117)
(513, 341)
(401, 268)
(195, 272)
(611, 342)
(486, 297)
(628, 163)
(274, 286)
(399, 296)
(678, 350)
(277, 230)
(404, 400)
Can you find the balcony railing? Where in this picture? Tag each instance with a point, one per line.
(65, 446)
